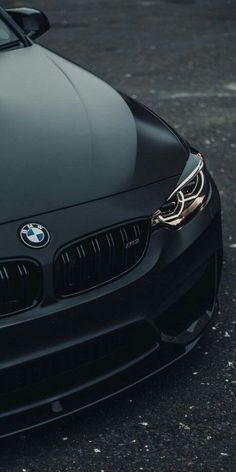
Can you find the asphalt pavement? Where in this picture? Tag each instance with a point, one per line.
(178, 57)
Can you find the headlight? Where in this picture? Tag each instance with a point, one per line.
(186, 198)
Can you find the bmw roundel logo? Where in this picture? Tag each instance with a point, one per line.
(34, 235)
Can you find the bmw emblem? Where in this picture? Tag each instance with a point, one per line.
(34, 235)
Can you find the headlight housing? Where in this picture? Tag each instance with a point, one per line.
(186, 198)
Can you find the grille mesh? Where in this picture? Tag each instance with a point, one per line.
(100, 258)
(79, 363)
(20, 285)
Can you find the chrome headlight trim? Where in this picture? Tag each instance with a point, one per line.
(184, 200)
(191, 176)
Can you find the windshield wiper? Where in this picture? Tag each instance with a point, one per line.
(11, 44)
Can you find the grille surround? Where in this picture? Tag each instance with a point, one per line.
(21, 285)
(76, 272)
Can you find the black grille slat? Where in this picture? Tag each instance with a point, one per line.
(125, 241)
(79, 262)
(99, 258)
(22, 270)
(20, 285)
(111, 253)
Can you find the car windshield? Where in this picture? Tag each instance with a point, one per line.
(6, 34)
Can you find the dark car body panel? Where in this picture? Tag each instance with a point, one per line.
(67, 137)
(80, 158)
(68, 354)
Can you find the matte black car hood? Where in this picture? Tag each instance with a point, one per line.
(68, 138)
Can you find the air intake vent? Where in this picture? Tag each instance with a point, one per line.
(20, 285)
(100, 258)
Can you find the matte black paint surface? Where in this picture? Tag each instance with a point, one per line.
(70, 140)
(67, 137)
(55, 326)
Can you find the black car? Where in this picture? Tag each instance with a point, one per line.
(110, 230)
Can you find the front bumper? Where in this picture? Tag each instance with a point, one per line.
(84, 351)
